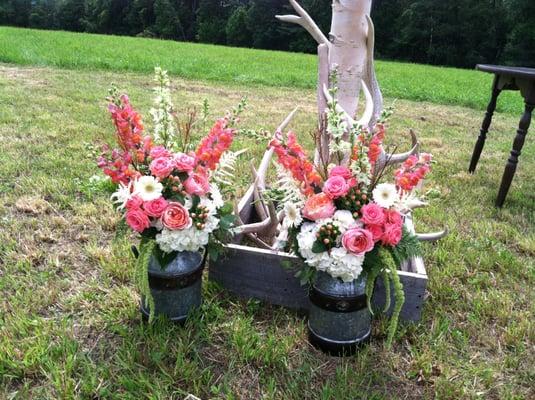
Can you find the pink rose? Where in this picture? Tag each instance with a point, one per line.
(155, 208)
(176, 217)
(159, 151)
(335, 187)
(358, 241)
(134, 203)
(184, 162)
(162, 167)
(393, 217)
(391, 235)
(372, 214)
(376, 231)
(197, 184)
(318, 206)
(137, 220)
(340, 170)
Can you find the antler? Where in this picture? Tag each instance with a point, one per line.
(367, 115)
(370, 72)
(386, 159)
(428, 237)
(268, 213)
(431, 237)
(305, 21)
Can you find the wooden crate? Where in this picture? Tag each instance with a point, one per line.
(250, 272)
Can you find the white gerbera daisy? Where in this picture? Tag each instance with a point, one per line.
(148, 188)
(385, 195)
(122, 195)
(292, 215)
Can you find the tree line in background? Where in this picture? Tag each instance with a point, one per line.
(454, 32)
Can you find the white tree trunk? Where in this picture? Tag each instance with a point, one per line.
(348, 55)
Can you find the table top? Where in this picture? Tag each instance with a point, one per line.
(521, 72)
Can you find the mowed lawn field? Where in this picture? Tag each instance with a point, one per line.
(69, 320)
(240, 66)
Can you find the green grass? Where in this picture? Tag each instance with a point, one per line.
(239, 66)
(69, 321)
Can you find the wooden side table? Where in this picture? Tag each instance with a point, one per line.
(507, 78)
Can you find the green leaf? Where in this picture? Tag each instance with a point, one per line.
(164, 258)
(227, 221)
(227, 208)
(318, 247)
(213, 253)
(195, 201)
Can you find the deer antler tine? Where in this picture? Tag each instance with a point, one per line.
(368, 111)
(431, 237)
(400, 157)
(305, 21)
(417, 204)
(271, 230)
(349, 120)
(254, 192)
(264, 164)
(373, 85)
(258, 185)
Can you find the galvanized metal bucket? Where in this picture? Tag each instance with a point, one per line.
(175, 287)
(339, 320)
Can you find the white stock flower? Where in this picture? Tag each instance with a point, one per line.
(148, 188)
(292, 215)
(385, 195)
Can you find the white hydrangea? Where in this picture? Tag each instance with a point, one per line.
(344, 220)
(191, 239)
(338, 263)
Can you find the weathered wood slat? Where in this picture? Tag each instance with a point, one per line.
(251, 272)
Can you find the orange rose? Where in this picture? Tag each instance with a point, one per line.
(319, 206)
(176, 217)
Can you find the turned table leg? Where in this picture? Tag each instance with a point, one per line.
(510, 167)
(485, 126)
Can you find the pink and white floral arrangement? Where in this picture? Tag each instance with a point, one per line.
(167, 189)
(338, 217)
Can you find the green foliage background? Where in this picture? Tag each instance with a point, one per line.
(455, 32)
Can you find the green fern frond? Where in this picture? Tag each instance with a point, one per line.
(226, 167)
(407, 248)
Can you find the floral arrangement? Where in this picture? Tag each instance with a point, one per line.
(167, 189)
(339, 217)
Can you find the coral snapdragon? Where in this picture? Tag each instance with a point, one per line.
(293, 157)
